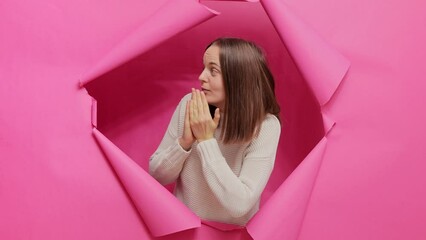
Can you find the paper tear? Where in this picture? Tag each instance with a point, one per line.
(322, 66)
(287, 206)
(161, 211)
(164, 24)
(94, 112)
(328, 123)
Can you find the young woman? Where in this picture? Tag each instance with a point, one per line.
(221, 142)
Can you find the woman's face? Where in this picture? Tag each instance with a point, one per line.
(211, 78)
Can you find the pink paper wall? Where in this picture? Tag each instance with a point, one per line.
(364, 180)
(144, 92)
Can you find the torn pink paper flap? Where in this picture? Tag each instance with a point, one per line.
(253, 1)
(162, 212)
(281, 217)
(322, 66)
(328, 123)
(222, 226)
(172, 18)
(94, 112)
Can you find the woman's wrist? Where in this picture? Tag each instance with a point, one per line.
(186, 145)
(204, 139)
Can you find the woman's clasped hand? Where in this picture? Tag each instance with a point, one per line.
(199, 125)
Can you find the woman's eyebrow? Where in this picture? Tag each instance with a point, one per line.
(213, 63)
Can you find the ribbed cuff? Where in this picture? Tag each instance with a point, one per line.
(209, 149)
(181, 148)
(175, 155)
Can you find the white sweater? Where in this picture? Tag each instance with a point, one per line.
(218, 182)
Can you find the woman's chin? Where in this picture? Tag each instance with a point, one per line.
(213, 102)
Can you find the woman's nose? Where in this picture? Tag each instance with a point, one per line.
(202, 77)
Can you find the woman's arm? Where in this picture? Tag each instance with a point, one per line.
(239, 194)
(166, 163)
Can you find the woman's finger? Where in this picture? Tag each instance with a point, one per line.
(191, 110)
(194, 98)
(199, 102)
(186, 123)
(205, 104)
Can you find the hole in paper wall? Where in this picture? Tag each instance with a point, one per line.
(136, 100)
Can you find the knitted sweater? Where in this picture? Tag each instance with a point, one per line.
(218, 182)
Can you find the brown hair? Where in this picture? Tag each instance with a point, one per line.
(249, 89)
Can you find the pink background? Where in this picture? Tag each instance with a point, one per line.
(59, 179)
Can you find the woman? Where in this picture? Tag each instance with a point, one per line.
(221, 142)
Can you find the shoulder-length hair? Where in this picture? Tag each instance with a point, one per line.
(249, 89)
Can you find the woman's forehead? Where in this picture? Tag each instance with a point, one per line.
(211, 55)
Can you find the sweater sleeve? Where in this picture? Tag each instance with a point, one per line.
(167, 161)
(239, 194)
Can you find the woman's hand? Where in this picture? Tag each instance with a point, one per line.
(187, 138)
(201, 122)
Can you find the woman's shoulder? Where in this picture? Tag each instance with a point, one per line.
(268, 135)
(184, 100)
(271, 120)
(270, 126)
(187, 96)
